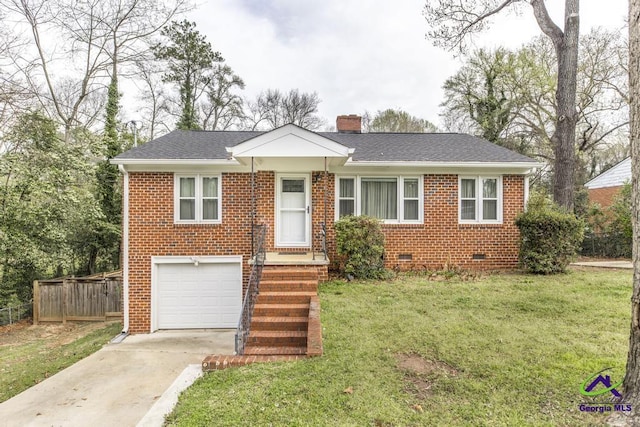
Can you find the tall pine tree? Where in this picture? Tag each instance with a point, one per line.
(189, 58)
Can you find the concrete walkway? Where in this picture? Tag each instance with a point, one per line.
(135, 382)
(605, 264)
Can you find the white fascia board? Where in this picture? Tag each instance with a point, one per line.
(207, 168)
(151, 162)
(524, 166)
(488, 165)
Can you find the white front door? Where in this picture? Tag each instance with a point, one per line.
(293, 211)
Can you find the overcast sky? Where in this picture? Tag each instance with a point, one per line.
(358, 54)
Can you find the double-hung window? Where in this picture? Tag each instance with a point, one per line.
(395, 199)
(411, 199)
(480, 199)
(197, 199)
(347, 196)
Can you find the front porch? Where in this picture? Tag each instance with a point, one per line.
(294, 258)
(315, 261)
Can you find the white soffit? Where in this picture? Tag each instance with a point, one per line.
(289, 141)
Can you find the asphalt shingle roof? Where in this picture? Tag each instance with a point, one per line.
(421, 147)
(435, 147)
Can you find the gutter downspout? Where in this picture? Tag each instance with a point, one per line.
(125, 249)
(526, 191)
(527, 177)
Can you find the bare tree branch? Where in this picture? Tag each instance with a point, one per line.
(452, 22)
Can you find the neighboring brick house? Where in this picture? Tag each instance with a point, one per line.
(605, 187)
(191, 197)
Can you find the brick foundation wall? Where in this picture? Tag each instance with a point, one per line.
(437, 243)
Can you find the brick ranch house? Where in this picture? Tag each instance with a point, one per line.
(192, 200)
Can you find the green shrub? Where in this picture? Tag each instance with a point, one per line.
(621, 212)
(549, 237)
(360, 242)
(609, 231)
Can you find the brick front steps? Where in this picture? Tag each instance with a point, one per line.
(216, 362)
(285, 324)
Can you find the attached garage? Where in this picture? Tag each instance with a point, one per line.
(196, 292)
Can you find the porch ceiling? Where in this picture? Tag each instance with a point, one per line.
(300, 259)
(292, 164)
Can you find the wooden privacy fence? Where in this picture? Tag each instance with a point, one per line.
(93, 298)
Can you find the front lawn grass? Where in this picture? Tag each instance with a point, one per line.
(504, 349)
(23, 365)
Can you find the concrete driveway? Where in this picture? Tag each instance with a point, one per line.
(131, 383)
(626, 265)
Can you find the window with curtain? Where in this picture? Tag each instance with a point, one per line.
(187, 199)
(480, 199)
(490, 199)
(346, 197)
(198, 198)
(209, 198)
(391, 199)
(411, 199)
(468, 199)
(379, 197)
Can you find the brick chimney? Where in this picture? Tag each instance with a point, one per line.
(349, 124)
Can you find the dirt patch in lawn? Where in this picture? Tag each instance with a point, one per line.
(49, 334)
(416, 364)
(421, 373)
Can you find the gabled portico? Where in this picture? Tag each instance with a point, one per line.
(292, 153)
(301, 147)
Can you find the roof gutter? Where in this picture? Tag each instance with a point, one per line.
(434, 164)
(122, 162)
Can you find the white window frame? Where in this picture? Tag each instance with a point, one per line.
(199, 199)
(479, 179)
(355, 194)
(400, 200)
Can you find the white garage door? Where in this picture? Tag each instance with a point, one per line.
(202, 296)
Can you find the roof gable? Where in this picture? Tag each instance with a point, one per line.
(289, 141)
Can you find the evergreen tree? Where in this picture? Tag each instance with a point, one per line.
(189, 58)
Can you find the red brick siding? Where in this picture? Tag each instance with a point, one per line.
(604, 196)
(318, 203)
(152, 232)
(439, 242)
(442, 242)
(265, 195)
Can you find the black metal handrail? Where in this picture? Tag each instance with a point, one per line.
(324, 240)
(253, 288)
